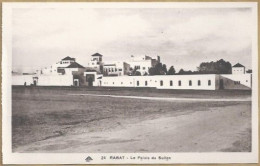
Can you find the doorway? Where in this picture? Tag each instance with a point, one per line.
(90, 81)
(221, 84)
(76, 82)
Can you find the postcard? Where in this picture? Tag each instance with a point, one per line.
(130, 83)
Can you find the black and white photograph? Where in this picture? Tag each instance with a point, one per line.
(135, 83)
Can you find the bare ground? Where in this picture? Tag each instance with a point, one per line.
(49, 120)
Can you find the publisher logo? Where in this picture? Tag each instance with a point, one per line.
(88, 159)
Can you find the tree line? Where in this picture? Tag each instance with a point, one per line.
(219, 67)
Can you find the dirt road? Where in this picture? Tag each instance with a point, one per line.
(218, 129)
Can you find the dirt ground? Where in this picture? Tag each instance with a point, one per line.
(59, 119)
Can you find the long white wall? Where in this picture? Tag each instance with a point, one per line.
(55, 80)
(43, 80)
(244, 79)
(21, 79)
(207, 81)
(163, 82)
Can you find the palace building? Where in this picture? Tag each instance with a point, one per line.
(67, 72)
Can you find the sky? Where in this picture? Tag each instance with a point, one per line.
(181, 37)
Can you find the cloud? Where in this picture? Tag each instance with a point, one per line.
(182, 37)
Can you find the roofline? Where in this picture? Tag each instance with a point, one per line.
(110, 65)
(68, 57)
(96, 54)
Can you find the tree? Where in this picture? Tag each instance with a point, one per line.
(152, 71)
(188, 72)
(159, 69)
(181, 71)
(137, 73)
(218, 67)
(164, 68)
(171, 71)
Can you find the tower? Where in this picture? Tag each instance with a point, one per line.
(96, 62)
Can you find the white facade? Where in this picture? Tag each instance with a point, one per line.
(243, 79)
(68, 71)
(142, 63)
(22, 79)
(96, 62)
(56, 67)
(238, 70)
(55, 80)
(43, 80)
(202, 82)
(116, 68)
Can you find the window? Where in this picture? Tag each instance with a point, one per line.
(113, 82)
(115, 69)
(143, 68)
(112, 69)
(109, 69)
(145, 83)
(121, 82)
(137, 67)
(209, 82)
(190, 83)
(198, 82)
(137, 83)
(236, 82)
(119, 69)
(161, 83)
(170, 83)
(179, 83)
(130, 82)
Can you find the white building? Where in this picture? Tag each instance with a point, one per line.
(238, 69)
(192, 82)
(143, 63)
(202, 82)
(57, 68)
(67, 72)
(96, 62)
(116, 69)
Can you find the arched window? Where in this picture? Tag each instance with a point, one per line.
(171, 83)
(161, 82)
(209, 82)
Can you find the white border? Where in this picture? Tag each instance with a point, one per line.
(79, 158)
